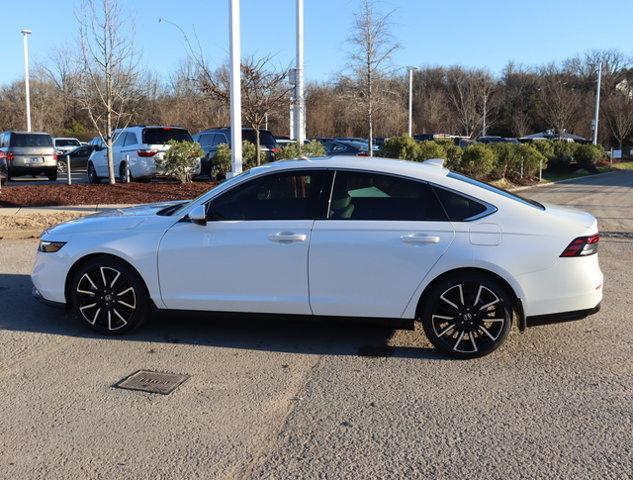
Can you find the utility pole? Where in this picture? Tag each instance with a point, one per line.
(411, 100)
(484, 128)
(235, 89)
(25, 35)
(299, 115)
(596, 119)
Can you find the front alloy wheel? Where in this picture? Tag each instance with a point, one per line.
(109, 296)
(468, 317)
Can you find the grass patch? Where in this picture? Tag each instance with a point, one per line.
(623, 165)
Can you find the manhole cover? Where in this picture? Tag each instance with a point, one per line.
(152, 382)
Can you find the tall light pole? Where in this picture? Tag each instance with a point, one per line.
(235, 89)
(596, 119)
(299, 115)
(25, 36)
(411, 69)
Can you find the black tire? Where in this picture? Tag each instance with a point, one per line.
(467, 315)
(52, 175)
(92, 174)
(108, 296)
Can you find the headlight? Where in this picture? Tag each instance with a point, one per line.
(50, 247)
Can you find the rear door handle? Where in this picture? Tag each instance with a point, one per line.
(287, 237)
(418, 238)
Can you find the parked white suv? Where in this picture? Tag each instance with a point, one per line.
(135, 152)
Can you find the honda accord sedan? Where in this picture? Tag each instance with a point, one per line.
(378, 239)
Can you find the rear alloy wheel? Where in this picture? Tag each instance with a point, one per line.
(109, 296)
(467, 316)
(92, 174)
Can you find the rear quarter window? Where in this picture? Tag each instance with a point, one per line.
(458, 207)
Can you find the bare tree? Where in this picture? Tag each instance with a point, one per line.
(559, 99)
(263, 89)
(373, 48)
(107, 82)
(469, 92)
(618, 111)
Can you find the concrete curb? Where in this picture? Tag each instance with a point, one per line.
(85, 209)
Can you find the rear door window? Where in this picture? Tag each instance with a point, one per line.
(373, 196)
(130, 139)
(161, 136)
(31, 140)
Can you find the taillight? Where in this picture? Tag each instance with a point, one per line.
(274, 150)
(147, 153)
(9, 156)
(582, 246)
(55, 156)
(3, 155)
(362, 154)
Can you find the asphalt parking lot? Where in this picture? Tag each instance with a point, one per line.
(77, 176)
(281, 400)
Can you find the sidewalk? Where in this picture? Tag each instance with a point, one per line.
(79, 209)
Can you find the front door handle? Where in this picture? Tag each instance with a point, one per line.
(418, 238)
(287, 237)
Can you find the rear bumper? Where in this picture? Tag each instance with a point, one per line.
(16, 171)
(560, 317)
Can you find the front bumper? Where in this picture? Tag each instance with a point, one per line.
(38, 296)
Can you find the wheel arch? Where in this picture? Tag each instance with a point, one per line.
(512, 290)
(86, 258)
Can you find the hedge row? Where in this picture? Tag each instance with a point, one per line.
(497, 160)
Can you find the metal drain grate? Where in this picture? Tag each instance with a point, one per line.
(152, 382)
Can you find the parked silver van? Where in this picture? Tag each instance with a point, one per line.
(27, 153)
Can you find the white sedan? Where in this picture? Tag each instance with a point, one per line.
(388, 240)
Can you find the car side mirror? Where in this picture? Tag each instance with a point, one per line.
(198, 215)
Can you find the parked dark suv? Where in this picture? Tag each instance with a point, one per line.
(210, 139)
(27, 153)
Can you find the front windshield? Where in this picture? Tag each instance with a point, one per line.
(221, 186)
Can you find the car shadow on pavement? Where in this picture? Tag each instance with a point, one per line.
(20, 311)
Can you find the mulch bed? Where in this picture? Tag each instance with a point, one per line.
(57, 195)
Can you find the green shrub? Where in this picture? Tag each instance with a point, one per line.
(429, 149)
(530, 160)
(180, 160)
(478, 160)
(403, 147)
(453, 157)
(221, 160)
(562, 155)
(292, 150)
(588, 156)
(506, 159)
(545, 147)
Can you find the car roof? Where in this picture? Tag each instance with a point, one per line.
(422, 170)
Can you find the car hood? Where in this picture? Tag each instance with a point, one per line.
(570, 214)
(109, 220)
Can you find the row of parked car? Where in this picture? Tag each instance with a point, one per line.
(135, 151)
